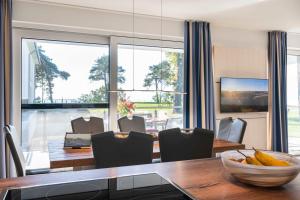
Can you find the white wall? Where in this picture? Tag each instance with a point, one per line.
(241, 54)
(293, 40)
(238, 53)
(36, 15)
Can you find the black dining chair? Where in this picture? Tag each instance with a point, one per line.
(137, 124)
(17, 153)
(91, 126)
(110, 151)
(232, 130)
(175, 145)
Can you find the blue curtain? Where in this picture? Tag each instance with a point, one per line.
(199, 82)
(5, 78)
(277, 59)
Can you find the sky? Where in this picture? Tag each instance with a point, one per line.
(142, 60)
(77, 59)
(244, 84)
(69, 57)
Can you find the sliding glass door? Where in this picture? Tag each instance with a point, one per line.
(61, 81)
(65, 76)
(293, 101)
(148, 75)
(153, 84)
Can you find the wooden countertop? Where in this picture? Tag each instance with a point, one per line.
(204, 179)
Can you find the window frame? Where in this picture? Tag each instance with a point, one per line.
(118, 40)
(61, 105)
(293, 52)
(68, 37)
(111, 41)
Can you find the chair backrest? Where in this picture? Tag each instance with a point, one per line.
(94, 125)
(232, 130)
(135, 124)
(174, 123)
(237, 131)
(175, 145)
(224, 128)
(15, 149)
(110, 151)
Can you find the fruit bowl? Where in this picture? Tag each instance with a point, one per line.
(265, 176)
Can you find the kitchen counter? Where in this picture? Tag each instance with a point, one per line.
(204, 179)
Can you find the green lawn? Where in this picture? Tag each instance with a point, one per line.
(148, 107)
(151, 105)
(293, 123)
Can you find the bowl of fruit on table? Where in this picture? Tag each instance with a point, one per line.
(261, 168)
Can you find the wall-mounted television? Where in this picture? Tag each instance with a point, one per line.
(244, 95)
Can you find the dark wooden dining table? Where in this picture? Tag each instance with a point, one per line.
(61, 157)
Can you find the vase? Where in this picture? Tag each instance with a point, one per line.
(130, 115)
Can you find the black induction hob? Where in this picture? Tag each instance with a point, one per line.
(136, 187)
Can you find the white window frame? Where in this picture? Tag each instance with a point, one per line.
(294, 52)
(18, 35)
(114, 42)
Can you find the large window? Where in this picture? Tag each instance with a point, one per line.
(60, 82)
(153, 84)
(293, 101)
(66, 76)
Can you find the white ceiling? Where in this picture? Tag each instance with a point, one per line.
(248, 14)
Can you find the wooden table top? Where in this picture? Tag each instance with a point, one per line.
(205, 179)
(60, 157)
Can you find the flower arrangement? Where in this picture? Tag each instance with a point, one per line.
(126, 107)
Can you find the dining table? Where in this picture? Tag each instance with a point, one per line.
(61, 157)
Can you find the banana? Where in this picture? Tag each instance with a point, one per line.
(250, 160)
(236, 160)
(269, 160)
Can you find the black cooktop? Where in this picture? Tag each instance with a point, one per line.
(137, 187)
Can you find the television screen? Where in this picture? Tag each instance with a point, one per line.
(244, 95)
